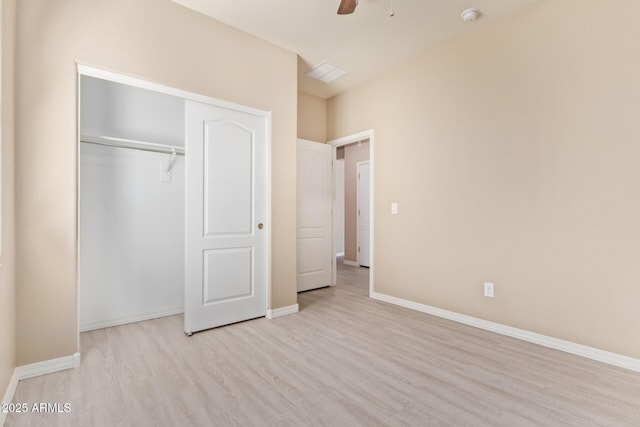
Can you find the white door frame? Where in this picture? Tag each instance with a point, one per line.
(358, 217)
(346, 140)
(86, 70)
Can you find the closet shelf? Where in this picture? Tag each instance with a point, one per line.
(133, 144)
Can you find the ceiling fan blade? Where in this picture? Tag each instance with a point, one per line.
(347, 6)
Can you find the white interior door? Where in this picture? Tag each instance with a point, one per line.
(364, 221)
(226, 212)
(338, 209)
(315, 225)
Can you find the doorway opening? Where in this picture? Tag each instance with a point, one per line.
(353, 205)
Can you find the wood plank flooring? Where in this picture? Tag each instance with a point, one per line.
(344, 360)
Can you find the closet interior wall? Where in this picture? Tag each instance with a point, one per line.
(131, 210)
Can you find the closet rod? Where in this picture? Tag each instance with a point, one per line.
(130, 143)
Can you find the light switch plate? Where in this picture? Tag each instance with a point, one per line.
(488, 289)
(394, 208)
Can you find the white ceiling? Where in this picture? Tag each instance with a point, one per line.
(364, 44)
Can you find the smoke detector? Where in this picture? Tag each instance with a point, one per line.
(470, 15)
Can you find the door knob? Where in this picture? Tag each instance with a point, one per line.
(260, 226)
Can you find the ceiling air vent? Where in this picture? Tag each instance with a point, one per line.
(325, 72)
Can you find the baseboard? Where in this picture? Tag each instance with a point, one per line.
(8, 395)
(351, 263)
(340, 254)
(35, 370)
(91, 326)
(521, 334)
(282, 311)
(48, 367)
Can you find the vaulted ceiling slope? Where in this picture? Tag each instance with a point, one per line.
(364, 44)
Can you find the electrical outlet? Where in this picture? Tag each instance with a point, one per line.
(488, 289)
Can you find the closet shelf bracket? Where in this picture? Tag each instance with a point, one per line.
(172, 160)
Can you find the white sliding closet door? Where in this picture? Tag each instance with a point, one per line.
(226, 214)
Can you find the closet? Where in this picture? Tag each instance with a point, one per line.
(173, 205)
(132, 192)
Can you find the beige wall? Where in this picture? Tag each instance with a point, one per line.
(312, 117)
(352, 155)
(7, 269)
(155, 40)
(513, 154)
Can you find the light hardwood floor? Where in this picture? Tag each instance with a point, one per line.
(344, 360)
